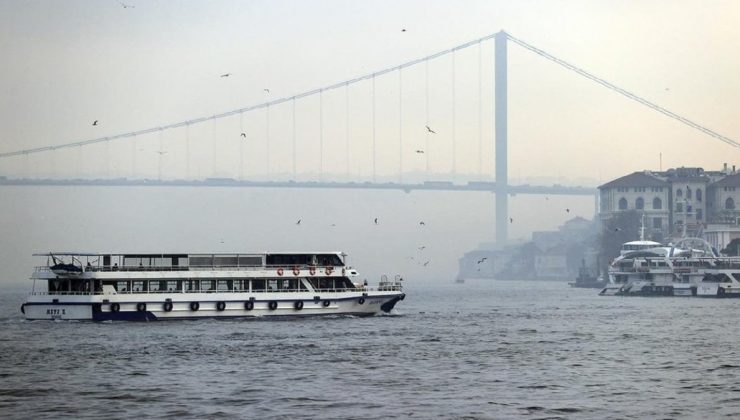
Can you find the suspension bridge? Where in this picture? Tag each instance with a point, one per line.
(357, 129)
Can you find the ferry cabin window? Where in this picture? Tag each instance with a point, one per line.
(288, 259)
(191, 285)
(201, 261)
(258, 285)
(172, 285)
(223, 285)
(225, 261)
(238, 284)
(207, 285)
(329, 259)
(272, 285)
(138, 286)
(122, 286)
(249, 261)
(154, 286)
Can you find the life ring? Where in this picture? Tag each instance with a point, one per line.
(141, 307)
(220, 306)
(194, 306)
(328, 270)
(167, 306)
(361, 300)
(298, 305)
(296, 270)
(312, 270)
(326, 303)
(249, 305)
(272, 305)
(280, 271)
(115, 307)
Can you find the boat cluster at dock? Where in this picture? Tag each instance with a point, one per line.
(101, 287)
(688, 268)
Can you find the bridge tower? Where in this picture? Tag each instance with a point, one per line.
(502, 179)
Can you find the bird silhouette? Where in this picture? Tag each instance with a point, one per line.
(226, 75)
(403, 30)
(95, 122)
(430, 130)
(298, 222)
(511, 220)
(376, 220)
(244, 135)
(426, 264)
(126, 6)
(422, 223)
(420, 151)
(161, 152)
(482, 259)
(617, 229)
(421, 248)
(266, 90)
(567, 210)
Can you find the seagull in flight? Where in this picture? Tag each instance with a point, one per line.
(226, 75)
(617, 229)
(95, 122)
(567, 210)
(511, 220)
(421, 248)
(244, 135)
(298, 222)
(430, 130)
(422, 223)
(376, 220)
(266, 90)
(482, 259)
(126, 6)
(426, 264)
(420, 151)
(161, 152)
(403, 30)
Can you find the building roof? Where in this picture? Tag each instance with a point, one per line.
(732, 180)
(636, 179)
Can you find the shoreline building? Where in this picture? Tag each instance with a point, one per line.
(678, 202)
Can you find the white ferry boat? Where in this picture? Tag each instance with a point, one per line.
(145, 287)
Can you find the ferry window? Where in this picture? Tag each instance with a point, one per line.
(122, 286)
(657, 203)
(639, 203)
(249, 261)
(622, 204)
(288, 259)
(191, 285)
(201, 261)
(329, 259)
(272, 285)
(207, 285)
(225, 261)
(258, 285)
(237, 284)
(172, 285)
(223, 285)
(138, 286)
(153, 286)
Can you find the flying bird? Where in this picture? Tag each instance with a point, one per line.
(161, 152)
(298, 222)
(482, 259)
(95, 122)
(567, 210)
(266, 90)
(617, 229)
(376, 220)
(403, 30)
(244, 135)
(430, 130)
(422, 223)
(126, 6)
(511, 220)
(426, 263)
(421, 248)
(420, 151)
(226, 75)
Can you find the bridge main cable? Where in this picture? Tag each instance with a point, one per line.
(249, 108)
(624, 92)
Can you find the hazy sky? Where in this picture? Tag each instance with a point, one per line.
(68, 63)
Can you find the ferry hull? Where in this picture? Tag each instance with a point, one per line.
(149, 308)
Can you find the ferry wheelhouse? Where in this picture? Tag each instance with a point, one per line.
(101, 287)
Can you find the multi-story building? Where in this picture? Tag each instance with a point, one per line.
(677, 201)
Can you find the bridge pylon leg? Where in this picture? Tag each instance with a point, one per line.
(501, 115)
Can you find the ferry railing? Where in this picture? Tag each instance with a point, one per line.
(319, 269)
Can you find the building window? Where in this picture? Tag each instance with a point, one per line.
(639, 203)
(679, 207)
(698, 194)
(729, 204)
(699, 214)
(657, 223)
(679, 193)
(688, 192)
(622, 203)
(657, 203)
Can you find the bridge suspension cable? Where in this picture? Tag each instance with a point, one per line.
(624, 92)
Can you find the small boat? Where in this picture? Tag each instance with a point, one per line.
(147, 287)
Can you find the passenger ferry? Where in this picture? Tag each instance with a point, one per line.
(145, 287)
